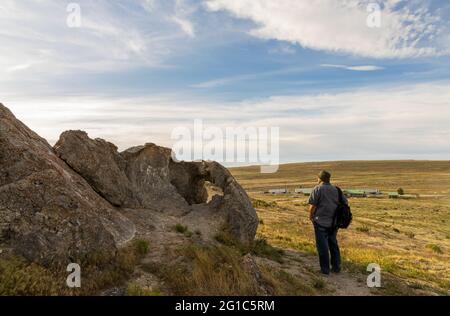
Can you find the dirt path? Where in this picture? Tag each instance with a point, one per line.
(342, 284)
(305, 268)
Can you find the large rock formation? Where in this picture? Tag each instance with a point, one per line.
(47, 211)
(148, 177)
(71, 200)
(97, 162)
(137, 178)
(234, 205)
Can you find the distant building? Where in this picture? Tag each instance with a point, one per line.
(372, 192)
(278, 191)
(354, 193)
(306, 192)
(393, 195)
(347, 192)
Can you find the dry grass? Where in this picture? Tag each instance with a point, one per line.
(285, 284)
(259, 247)
(18, 277)
(136, 290)
(214, 270)
(99, 271)
(220, 270)
(410, 239)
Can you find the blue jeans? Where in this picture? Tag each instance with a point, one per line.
(327, 245)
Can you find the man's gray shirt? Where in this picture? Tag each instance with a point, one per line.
(326, 199)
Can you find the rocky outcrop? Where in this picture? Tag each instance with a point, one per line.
(62, 203)
(147, 167)
(97, 161)
(152, 179)
(136, 178)
(234, 205)
(49, 213)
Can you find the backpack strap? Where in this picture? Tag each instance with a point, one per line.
(341, 201)
(341, 195)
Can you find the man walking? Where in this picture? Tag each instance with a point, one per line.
(324, 201)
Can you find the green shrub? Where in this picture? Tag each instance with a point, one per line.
(183, 230)
(435, 248)
(318, 283)
(363, 229)
(263, 204)
(141, 246)
(136, 290)
(180, 228)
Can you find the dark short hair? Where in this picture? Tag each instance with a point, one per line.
(325, 176)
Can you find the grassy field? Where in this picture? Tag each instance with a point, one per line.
(424, 177)
(409, 239)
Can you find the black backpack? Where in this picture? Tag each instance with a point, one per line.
(343, 216)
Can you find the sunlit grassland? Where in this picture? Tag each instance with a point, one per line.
(409, 239)
(424, 177)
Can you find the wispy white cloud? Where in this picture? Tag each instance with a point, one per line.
(218, 82)
(148, 5)
(354, 68)
(185, 25)
(402, 122)
(183, 11)
(18, 67)
(408, 28)
(37, 41)
(408, 121)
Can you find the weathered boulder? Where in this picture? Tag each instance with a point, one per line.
(98, 162)
(235, 205)
(147, 167)
(150, 178)
(48, 213)
(135, 178)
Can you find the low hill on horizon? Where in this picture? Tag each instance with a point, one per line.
(414, 176)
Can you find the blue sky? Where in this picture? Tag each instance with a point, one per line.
(134, 70)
